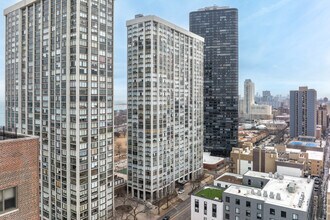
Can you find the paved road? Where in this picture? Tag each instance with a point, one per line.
(179, 212)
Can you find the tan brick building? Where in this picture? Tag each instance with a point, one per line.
(19, 177)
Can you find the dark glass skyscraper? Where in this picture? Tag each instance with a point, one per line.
(219, 27)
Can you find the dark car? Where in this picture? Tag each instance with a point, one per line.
(166, 218)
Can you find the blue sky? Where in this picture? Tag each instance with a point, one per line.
(282, 43)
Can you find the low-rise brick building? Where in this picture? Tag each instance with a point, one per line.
(19, 177)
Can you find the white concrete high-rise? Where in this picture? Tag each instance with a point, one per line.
(303, 112)
(249, 93)
(59, 86)
(165, 106)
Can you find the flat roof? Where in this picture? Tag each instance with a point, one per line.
(315, 155)
(302, 143)
(142, 18)
(210, 192)
(303, 192)
(208, 159)
(18, 5)
(231, 178)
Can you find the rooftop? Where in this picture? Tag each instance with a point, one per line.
(287, 191)
(210, 192)
(212, 8)
(208, 159)
(315, 155)
(231, 178)
(7, 135)
(302, 143)
(141, 18)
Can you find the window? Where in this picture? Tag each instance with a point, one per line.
(237, 202)
(272, 211)
(196, 205)
(227, 207)
(237, 210)
(236, 218)
(8, 199)
(259, 206)
(259, 216)
(261, 184)
(294, 216)
(227, 199)
(248, 204)
(214, 210)
(249, 182)
(227, 216)
(205, 208)
(283, 214)
(248, 213)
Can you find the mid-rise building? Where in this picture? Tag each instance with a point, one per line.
(254, 195)
(59, 86)
(19, 176)
(219, 27)
(165, 106)
(303, 112)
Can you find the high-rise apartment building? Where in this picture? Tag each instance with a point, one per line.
(59, 86)
(219, 27)
(249, 92)
(303, 112)
(165, 106)
(322, 117)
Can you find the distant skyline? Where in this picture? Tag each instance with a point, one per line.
(283, 44)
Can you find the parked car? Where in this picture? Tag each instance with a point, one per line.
(166, 218)
(180, 191)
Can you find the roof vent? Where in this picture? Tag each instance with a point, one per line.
(271, 195)
(291, 187)
(259, 192)
(252, 192)
(139, 16)
(280, 177)
(265, 194)
(278, 196)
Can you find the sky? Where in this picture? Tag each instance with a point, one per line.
(283, 44)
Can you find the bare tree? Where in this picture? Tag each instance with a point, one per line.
(195, 184)
(138, 210)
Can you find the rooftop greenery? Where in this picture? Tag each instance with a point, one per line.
(210, 193)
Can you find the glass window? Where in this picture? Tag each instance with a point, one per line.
(237, 210)
(248, 204)
(294, 216)
(248, 213)
(237, 202)
(214, 210)
(196, 205)
(272, 211)
(283, 214)
(227, 207)
(227, 199)
(259, 206)
(227, 216)
(8, 199)
(259, 216)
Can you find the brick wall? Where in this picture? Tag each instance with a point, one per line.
(19, 167)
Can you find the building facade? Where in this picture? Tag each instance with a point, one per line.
(249, 92)
(19, 177)
(59, 86)
(165, 106)
(219, 27)
(303, 112)
(322, 117)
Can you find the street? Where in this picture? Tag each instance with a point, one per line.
(179, 212)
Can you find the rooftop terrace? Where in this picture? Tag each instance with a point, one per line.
(209, 192)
